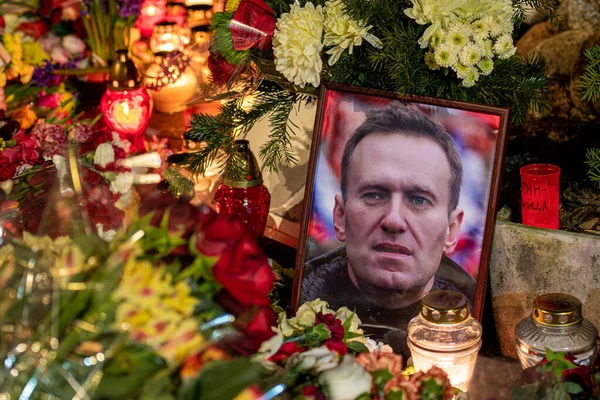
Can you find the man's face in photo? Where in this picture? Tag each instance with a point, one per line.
(395, 219)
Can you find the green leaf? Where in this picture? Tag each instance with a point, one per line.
(317, 334)
(380, 379)
(357, 347)
(549, 355)
(572, 387)
(395, 395)
(431, 390)
(128, 370)
(222, 381)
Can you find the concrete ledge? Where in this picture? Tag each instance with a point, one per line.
(527, 262)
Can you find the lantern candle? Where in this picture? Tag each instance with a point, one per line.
(126, 104)
(199, 14)
(166, 37)
(176, 12)
(445, 335)
(151, 13)
(171, 81)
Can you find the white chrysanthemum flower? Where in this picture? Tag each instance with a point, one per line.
(470, 54)
(486, 66)
(457, 38)
(470, 77)
(445, 55)
(430, 61)
(495, 25)
(438, 38)
(297, 44)
(479, 29)
(504, 47)
(122, 183)
(438, 13)
(104, 155)
(487, 47)
(461, 70)
(342, 32)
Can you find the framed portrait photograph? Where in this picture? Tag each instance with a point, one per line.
(400, 200)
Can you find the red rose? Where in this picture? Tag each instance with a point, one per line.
(285, 351)
(336, 346)
(7, 169)
(220, 69)
(253, 24)
(259, 329)
(244, 272)
(218, 233)
(34, 29)
(26, 143)
(310, 392)
(333, 324)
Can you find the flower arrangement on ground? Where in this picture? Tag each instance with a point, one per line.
(454, 49)
(123, 316)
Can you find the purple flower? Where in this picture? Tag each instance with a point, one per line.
(45, 76)
(129, 8)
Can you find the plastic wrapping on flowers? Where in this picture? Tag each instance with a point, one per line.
(92, 318)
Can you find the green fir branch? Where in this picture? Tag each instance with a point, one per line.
(593, 163)
(278, 149)
(222, 42)
(547, 7)
(589, 82)
(178, 184)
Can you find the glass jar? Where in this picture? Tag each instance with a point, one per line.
(445, 335)
(555, 323)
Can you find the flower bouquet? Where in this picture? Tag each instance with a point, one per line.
(453, 49)
(318, 354)
(118, 319)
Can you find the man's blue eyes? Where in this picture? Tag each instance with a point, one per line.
(416, 200)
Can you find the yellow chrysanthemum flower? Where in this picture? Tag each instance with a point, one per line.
(34, 54)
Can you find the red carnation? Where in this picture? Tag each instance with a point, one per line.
(285, 351)
(220, 69)
(7, 169)
(311, 392)
(253, 24)
(337, 346)
(34, 29)
(333, 324)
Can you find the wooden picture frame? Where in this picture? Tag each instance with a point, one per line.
(496, 119)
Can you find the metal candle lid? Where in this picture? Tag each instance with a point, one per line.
(123, 74)
(556, 309)
(445, 307)
(252, 174)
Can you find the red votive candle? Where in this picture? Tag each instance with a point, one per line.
(540, 195)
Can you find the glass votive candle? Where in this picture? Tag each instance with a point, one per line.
(199, 14)
(176, 12)
(168, 36)
(556, 323)
(540, 203)
(445, 335)
(151, 12)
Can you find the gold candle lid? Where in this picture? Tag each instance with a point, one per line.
(123, 73)
(556, 309)
(252, 175)
(445, 307)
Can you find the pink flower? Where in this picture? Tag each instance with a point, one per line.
(26, 150)
(48, 101)
(51, 138)
(81, 133)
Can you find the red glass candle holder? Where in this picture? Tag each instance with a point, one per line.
(128, 112)
(176, 12)
(151, 13)
(540, 186)
(249, 205)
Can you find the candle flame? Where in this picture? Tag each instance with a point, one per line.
(151, 11)
(125, 107)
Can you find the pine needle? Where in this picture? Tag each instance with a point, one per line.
(589, 82)
(593, 162)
